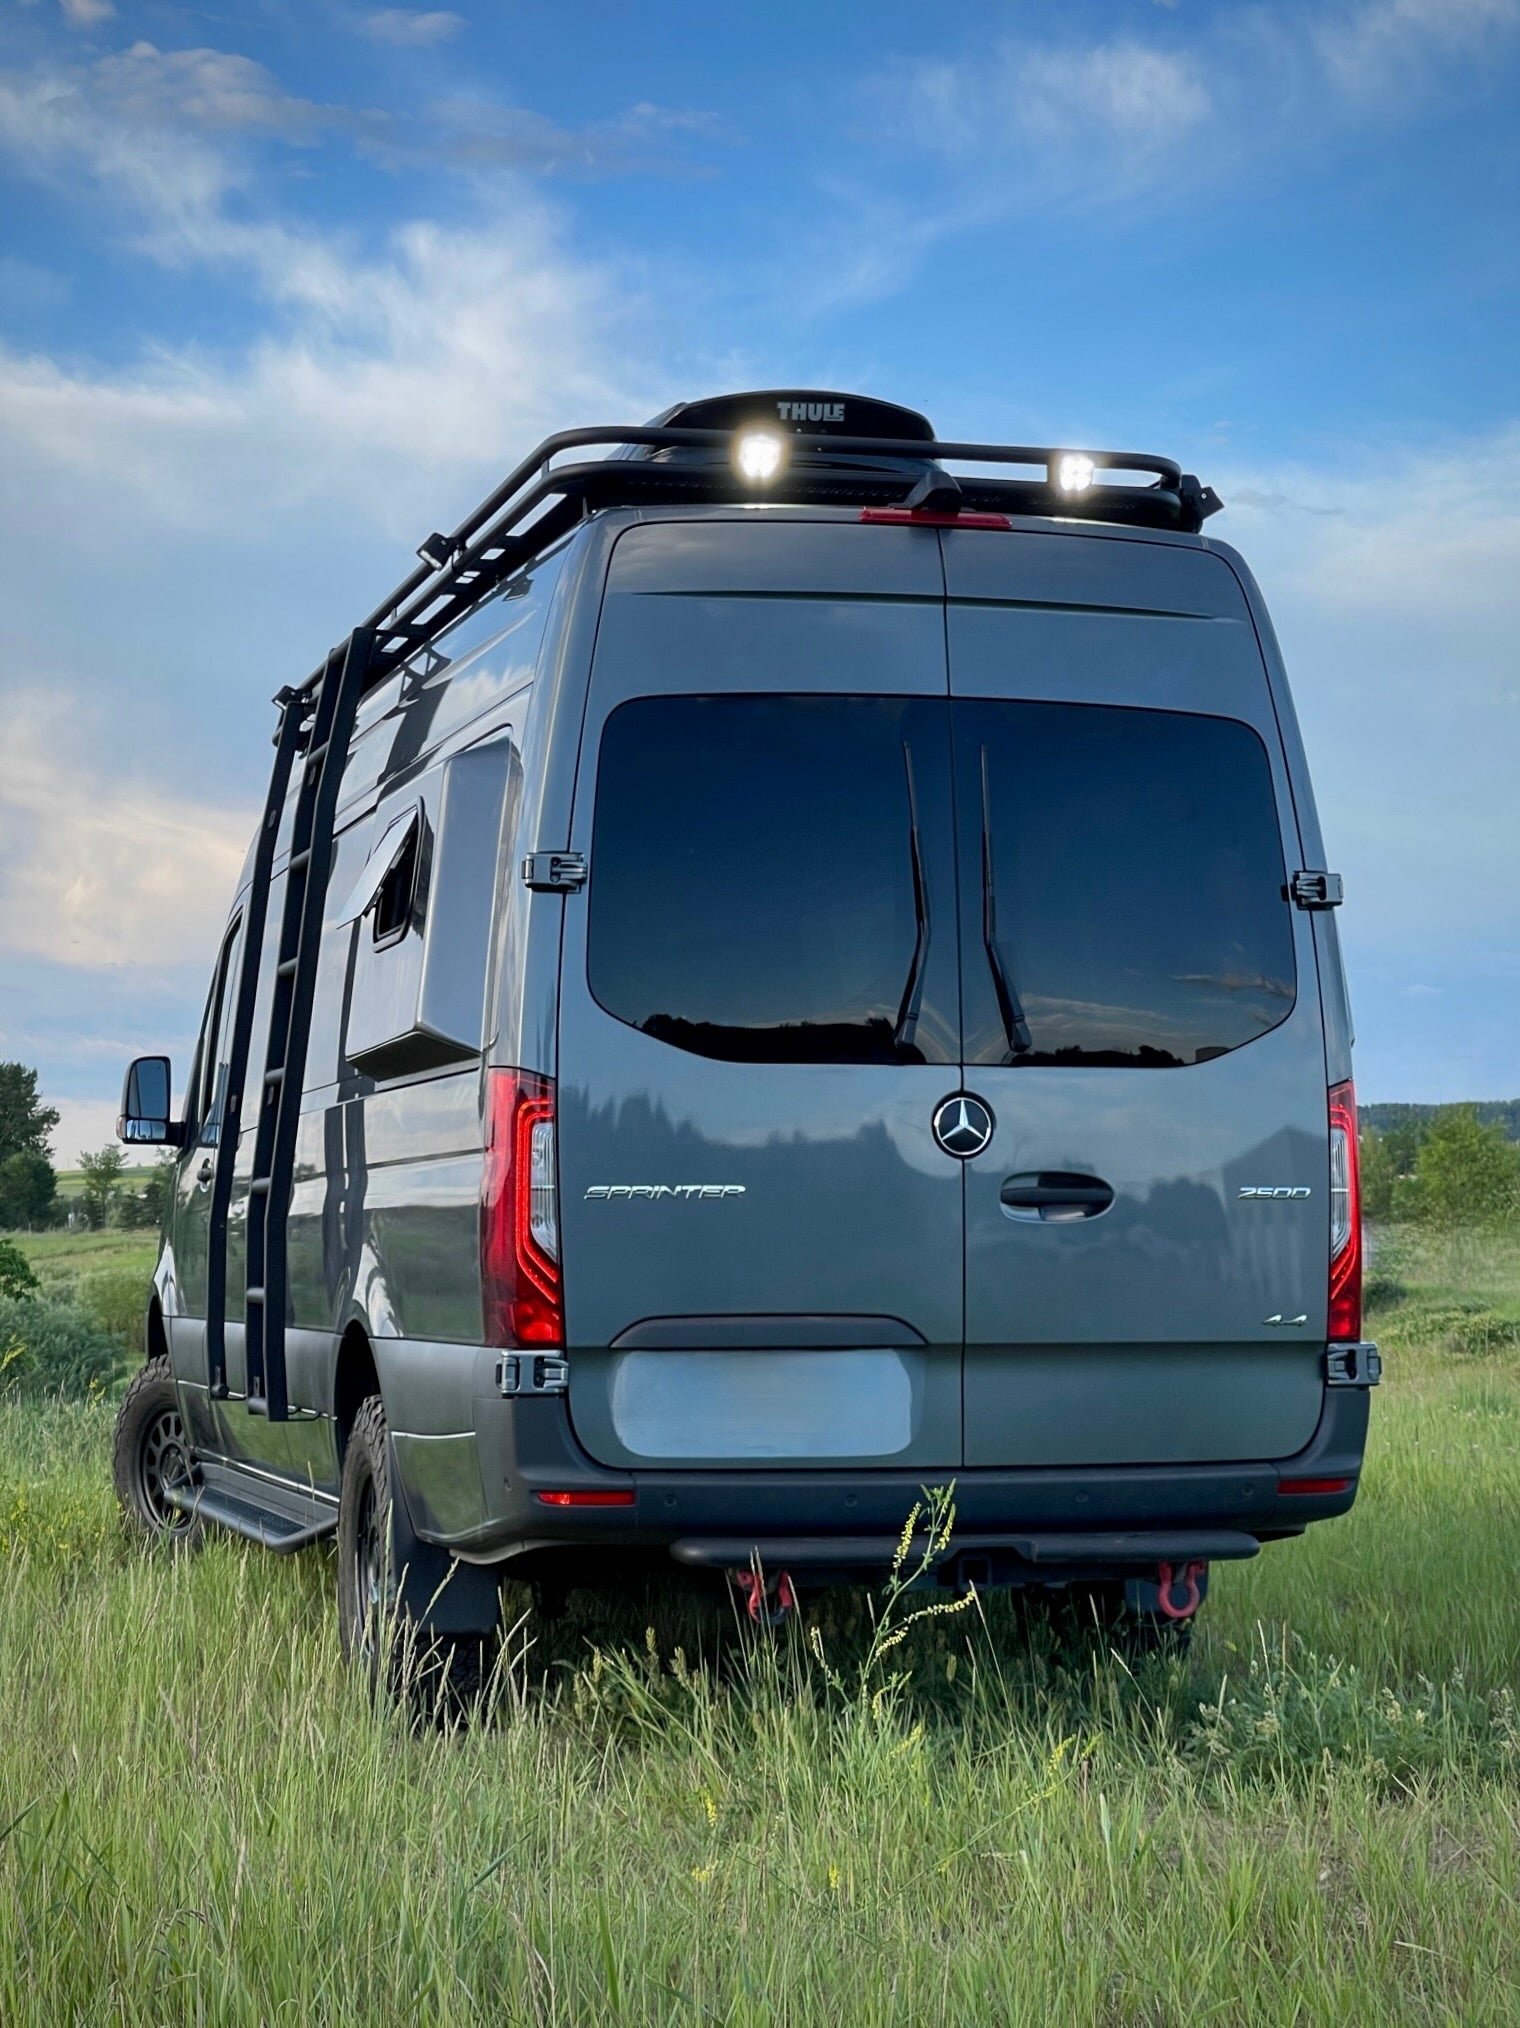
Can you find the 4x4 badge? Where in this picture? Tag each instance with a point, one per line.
(962, 1125)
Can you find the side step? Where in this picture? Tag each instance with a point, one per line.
(281, 1518)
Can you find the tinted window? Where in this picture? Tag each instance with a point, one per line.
(1135, 904)
(217, 1045)
(753, 890)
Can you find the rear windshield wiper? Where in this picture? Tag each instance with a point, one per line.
(1015, 1027)
(913, 991)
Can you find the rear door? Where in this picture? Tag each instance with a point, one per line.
(758, 1007)
(1141, 1014)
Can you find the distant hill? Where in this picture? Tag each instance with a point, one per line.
(1389, 1119)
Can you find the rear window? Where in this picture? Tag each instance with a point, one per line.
(753, 889)
(1123, 871)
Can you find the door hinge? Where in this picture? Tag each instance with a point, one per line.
(554, 872)
(1317, 890)
(1352, 1366)
(532, 1373)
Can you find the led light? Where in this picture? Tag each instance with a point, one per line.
(1074, 472)
(758, 456)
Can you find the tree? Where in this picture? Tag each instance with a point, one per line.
(158, 1190)
(16, 1277)
(1469, 1174)
(102, 1180)
(25, 1122)
(27, 1189)
(1378, 1175)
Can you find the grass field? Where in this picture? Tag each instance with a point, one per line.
(1316, 1818)
(56, 1255)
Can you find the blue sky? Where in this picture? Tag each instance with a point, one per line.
(284, 286)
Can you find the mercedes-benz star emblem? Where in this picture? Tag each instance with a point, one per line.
(962, 1125)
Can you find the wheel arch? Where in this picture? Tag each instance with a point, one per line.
(355, 1378)
(155, 1331)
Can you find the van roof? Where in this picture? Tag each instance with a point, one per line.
(805, 448)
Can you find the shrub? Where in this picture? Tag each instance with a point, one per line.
(16, 1277)
(1472, 1329)
(117, 1299)
(48, 1347)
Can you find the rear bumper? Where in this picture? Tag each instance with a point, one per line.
(1108, 1518)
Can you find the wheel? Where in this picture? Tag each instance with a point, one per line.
(437, 1674)
(150, 1452)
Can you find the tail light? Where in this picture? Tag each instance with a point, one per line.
(1345, 1217)
(519, 1213)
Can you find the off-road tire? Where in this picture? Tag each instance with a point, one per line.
(436, 1676)
(149, 1448)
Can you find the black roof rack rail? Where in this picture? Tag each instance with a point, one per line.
(538, 502)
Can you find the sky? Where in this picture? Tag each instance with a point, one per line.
(285, 284)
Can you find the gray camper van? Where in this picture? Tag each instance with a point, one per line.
(787, 963)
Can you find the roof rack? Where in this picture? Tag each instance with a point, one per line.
(670, 464)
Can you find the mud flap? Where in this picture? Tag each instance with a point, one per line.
(435, 1590)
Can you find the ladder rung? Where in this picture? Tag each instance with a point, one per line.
(287, 970)
(316, 754)
(254, 1295)
(259, 1187)
(299, 861)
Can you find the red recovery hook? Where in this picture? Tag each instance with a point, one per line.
(759, 1596)
(1168, 1581)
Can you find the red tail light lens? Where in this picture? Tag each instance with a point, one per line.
(1345, 1217)
(519, 1213)
(912, 517)
(587, 1499)
(1312, 1485)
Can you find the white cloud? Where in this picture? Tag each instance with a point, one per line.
(211, 89)
(1081, 100)
(1386, 46)
(99, 869)
(1030, 121)
(1395, 589)
(409, 29)
(449, 353)
(86, 13)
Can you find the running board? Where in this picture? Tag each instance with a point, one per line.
(281, 1518)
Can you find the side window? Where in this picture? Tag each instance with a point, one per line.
(216, 1040)
(1123, 900)
(393, 869)
(421, 912)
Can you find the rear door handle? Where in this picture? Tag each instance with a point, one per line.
(1055, 1196)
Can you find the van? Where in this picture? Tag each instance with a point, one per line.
(787, 964)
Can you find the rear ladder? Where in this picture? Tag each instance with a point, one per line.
(318, 723)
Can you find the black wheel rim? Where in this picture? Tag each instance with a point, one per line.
(369, 1571)
(163, 1460)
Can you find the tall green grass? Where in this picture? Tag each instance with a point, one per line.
(1315, 1818)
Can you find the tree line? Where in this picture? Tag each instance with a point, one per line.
(1438, 1165)
(112, 1194)
(1448, 1167)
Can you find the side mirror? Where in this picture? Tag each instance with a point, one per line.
(145, 1120)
